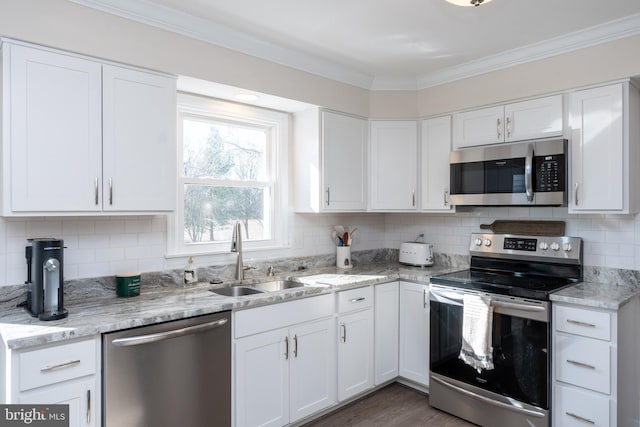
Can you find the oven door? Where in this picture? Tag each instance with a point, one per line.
(520, 339)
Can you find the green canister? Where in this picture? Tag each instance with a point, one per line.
(128, 284)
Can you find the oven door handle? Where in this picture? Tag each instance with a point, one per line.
(456, 298)
(488, 400)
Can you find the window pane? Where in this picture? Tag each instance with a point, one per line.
(211, 211)
(224, 151)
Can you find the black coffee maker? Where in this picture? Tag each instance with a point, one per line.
(45, 294)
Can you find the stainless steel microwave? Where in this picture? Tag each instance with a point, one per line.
(522, 174)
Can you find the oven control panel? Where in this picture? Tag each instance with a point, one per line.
(546, 247)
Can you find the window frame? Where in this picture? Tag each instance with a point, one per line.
(277, 123)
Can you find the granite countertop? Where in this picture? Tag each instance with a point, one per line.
(92, 315)
(103, 314)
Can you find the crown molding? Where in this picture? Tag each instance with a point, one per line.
(169, 19)
(610, 31)
(198, 28)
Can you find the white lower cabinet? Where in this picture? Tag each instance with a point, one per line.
(386, 329)
(288, 373)
(414, 333)
(355, 342)
(595, 367)
(67, 373)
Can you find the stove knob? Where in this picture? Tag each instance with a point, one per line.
(487, 242)
(478, 242)
(544, 246)
(555, 246)
(567, 247)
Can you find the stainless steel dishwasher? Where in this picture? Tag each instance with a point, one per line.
(170, 374)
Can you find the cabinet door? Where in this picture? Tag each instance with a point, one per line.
(262, 379)
(55, 134)
(478, 127)
(436, 146)
(78, 394)
(355, 353)
(414, 332)
(536, 118)
(139, 154)
(344, 156)
(312, 368)
(597, 149)
(386, 321)
(394, 165)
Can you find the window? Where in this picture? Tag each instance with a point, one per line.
(232, 167)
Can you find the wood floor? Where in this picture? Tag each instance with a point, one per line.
(392, 406)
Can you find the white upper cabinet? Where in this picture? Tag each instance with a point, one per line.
(139, 145)
(394, 165)
(434, 154)
(330, 162)
(534, 118)
(604, 146)
(51, 131)
(81, 137)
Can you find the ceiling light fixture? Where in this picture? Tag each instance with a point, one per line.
(468, 2)
(246, 97)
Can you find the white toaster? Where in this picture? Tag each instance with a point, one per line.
(416, 253)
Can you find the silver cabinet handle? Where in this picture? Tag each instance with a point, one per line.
(286, 348)
(328, 196)
(60, 366)
(580, 323)
(578, 417)
(528, 173)
(95, 186)
(424, 298)
(110, 191)
(343, 337)
(581, 364)
(575, 194)
(413, 197)
(161, 336)
(508, 125)
(358, 299)
(498, 126)
(446, 198)
(88, 406)
(295, 346)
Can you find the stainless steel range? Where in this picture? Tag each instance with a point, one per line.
(500, 374)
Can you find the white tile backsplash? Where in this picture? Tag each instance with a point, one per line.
(105, 246)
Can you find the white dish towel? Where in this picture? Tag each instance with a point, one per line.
(477, 324)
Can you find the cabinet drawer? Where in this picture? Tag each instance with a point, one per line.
(355, 299)
(56, 363)
(585, 322)
(578, 408)
(281, 315)
(583, 362)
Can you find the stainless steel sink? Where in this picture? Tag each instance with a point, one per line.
(236, 291)
(277, 285)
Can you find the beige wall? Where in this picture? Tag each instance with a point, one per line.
(65, 25)
(610, 61)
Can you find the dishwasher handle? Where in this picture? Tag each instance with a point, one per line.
(161, 336)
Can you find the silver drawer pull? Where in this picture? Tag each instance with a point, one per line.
(60, 366)
(578, 417)
(581, 364)
(580, 323)
(358, 299)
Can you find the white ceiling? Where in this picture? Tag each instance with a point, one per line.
(390, 44)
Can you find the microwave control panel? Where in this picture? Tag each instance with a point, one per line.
(549, 173)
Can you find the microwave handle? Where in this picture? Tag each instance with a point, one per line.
(528, 173)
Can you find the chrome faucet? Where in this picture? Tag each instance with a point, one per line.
(236, 246)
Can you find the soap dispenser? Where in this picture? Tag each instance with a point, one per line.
(190, 276)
